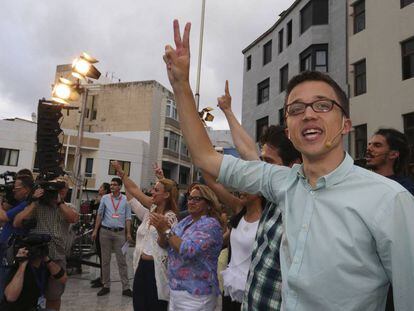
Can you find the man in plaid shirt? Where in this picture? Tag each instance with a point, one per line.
(264, 281)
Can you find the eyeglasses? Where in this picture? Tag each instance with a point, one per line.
(195, 198)
(319, 106)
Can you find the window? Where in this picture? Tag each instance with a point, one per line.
(407, 50)
(124, 164)
(171, 110)
(315, 12)
(248, 63)
(289, 33)
(267, 52)
(360, 141)
(184, 174)
(360, 78)
(263, 91)
(91, 112)
(9, 157)
(359, 16)
(284, 77)
(406, 2)
(261, 126)
(280, 36)
(282, 116)
(409, 131)
(183, 148)
(88, 167)
(171, 141)
(314, 58)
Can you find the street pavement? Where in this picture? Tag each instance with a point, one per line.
(79, 296)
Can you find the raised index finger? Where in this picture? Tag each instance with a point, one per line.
(226, 88)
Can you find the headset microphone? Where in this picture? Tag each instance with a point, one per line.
(328, 143)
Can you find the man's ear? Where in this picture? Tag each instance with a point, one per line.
(347, 125)
(393, 154)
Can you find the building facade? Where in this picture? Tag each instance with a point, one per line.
(309, 35)
(143, 110)
(381, 68)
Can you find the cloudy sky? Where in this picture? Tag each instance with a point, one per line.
(128, 37)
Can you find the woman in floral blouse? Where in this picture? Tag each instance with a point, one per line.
(194, 245)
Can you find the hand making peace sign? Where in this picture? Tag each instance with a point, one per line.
(178, 59)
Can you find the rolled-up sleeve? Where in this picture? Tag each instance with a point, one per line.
(252, 176)
(202, 241)
(128, 214)
(395, 243)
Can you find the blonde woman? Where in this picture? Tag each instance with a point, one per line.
(150, 289)
(194, 245)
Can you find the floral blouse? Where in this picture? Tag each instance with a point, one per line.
(194, 268)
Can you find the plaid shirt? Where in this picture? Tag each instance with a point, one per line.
(264, 281)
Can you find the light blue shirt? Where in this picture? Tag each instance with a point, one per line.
(106, 206)
(343, 241)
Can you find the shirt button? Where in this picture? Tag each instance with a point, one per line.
(312, 192)
(304, 226)
(296, 261)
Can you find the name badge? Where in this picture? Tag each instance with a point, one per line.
(115, 215)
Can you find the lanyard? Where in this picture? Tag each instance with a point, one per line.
(113, 203)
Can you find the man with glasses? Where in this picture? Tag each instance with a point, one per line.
(114, 216)
(21, 190)
(347, 231)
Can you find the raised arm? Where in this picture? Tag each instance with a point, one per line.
(243, 142)
(131, 186)
(223, 194)
(178, 66)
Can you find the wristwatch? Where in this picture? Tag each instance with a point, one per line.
(168, 234)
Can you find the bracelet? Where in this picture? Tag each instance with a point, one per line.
(58, 275)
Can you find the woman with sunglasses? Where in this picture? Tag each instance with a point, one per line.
(194, 245)
(150, 289)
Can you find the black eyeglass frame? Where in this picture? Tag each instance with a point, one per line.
(306, 105)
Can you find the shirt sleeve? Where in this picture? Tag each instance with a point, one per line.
(16, 210)
(138, 208)
(253, 176)
(395, 238)
(101, 207)
(202, 240)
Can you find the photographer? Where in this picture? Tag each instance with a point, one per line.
(53, 217)
(21, 189)
(27, 281)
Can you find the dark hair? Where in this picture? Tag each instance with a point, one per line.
(275, 136)
(117, 180)
(26, 180)
(107, 187)
(25, 171)
(235, 219)
(397, 141)
(306, 76)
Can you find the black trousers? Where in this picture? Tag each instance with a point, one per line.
(229, 305)
(145, 297)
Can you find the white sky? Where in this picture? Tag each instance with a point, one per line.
(128, 38)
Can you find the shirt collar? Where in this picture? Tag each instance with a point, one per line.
(334, 177)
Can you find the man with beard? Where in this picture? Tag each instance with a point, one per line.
(388, 154)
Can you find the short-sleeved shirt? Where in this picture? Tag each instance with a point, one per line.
(33, 279)
(194, 268)
(50, 220)
(110, 206)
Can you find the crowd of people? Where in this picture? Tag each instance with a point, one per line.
(308, 229)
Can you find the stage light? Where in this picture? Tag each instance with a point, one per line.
(82, 67)
(65, 91)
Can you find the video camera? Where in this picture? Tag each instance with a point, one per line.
(6, 189)
(51, 189)
(36, 244)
